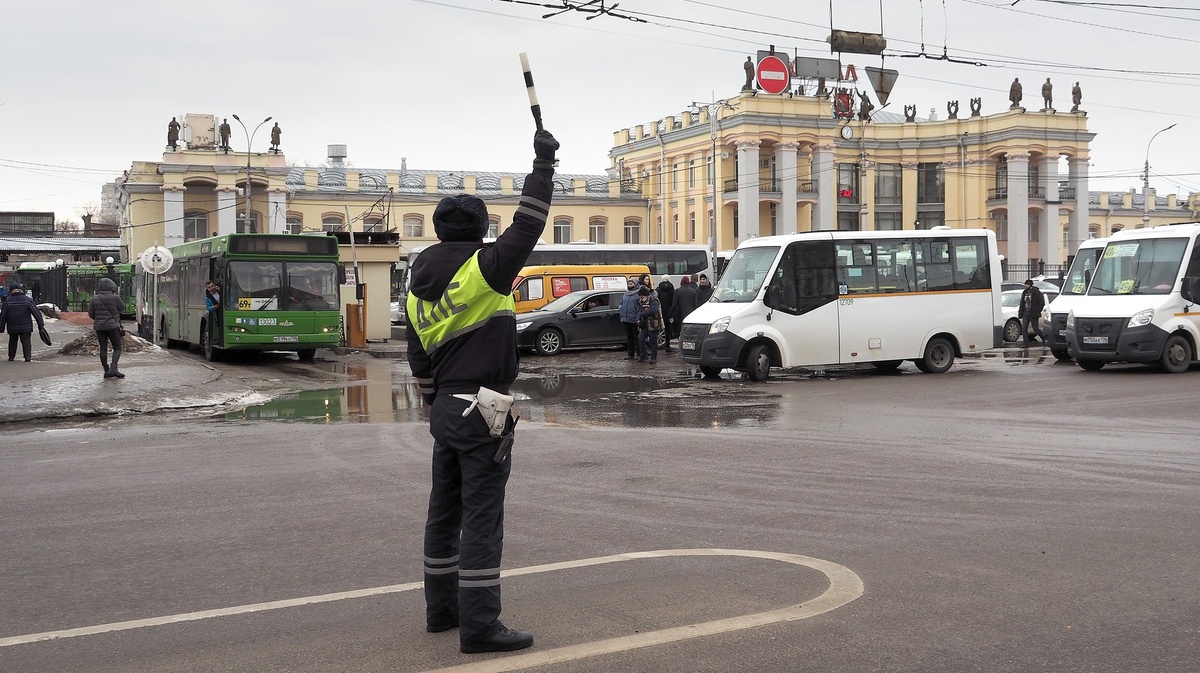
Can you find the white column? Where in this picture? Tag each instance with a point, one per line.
(824, 211)
(747, 190)
(226, 212)
(1018, 208)
(172, 216)
(785, 164)
(1050, 231)
(1077, 225)
(276, 211)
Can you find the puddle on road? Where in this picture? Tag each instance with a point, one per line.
(383, 393)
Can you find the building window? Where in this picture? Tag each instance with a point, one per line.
(774, 218)
(847, 183)
(712, 175)
(295, 223)
(931, 183)
(736, 223)
(414, 226)
(598, 230)
(1001, 172)
(633, 228)
(888, 221)
(373, 223)
(692, 226)
(888, 184)
(493, 226)
(562, 231)
(1001, 226)
(248, 225)
(1035, 222)
(675, 227)
(692, 174)
(675, 177)
(195, 225)
(928, 219)
(847, 220)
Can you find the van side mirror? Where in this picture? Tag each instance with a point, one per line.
(341, 274)
(517, 295)
(767, 296)
(1087, 278)
(1191, 288)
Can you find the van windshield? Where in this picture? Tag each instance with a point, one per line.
(1147, 266)
(745, 274)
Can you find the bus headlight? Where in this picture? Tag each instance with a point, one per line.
(522, 325)
(1141, 318)
(719, 326)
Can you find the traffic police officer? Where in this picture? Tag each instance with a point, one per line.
(462, 337)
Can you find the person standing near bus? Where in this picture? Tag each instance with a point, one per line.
(704, 291)
(684, 302)
(105, 312)
(18, 316)
(629, 317)
(212, 302)
(1030, 311)
(462, 348)
(666, 298)
(649, 324)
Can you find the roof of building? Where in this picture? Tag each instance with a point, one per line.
(58, 243)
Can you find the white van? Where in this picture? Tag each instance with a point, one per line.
(1141, 305)
(836, 297)
(1075, 283)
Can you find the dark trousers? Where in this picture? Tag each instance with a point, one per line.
(1026, 322)
(106, 337)
(631, 338)
(26, 345)
(464, 533)
(648, 339)
(666, 332)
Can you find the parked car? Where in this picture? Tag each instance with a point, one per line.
(397, 312)
(1043, 285)
(583, 318)
(1010, 305)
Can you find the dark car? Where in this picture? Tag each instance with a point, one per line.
(582, 318)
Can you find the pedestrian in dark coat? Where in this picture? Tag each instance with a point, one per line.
(105, 311)
(666, 298)
(629, 317)
(17, 317)
(1030, 311)
(649, 324)
(685, 302)
(703, 290)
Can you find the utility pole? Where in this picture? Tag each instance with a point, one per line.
(714, 109)
(1146, 181)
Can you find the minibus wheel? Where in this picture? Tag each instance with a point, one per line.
(1177, 354)
(939, 357)
(1060, 354)
(1090, 365)
(710, 372)
(758, 362)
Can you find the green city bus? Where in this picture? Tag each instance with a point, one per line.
(279, 292)
(81, 285)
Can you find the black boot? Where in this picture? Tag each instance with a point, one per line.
(502, 640)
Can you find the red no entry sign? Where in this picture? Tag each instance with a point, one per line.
(773, 75)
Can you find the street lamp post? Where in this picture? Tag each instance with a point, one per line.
(249, 142)
(713, 108)
(1146, 181)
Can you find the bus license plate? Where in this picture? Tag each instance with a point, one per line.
(1062, 333)
(287, 338)
(687, 345)
(1096, 340)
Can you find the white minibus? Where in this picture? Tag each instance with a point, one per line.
(840, 297)
(1075, 283)
(1141, 305)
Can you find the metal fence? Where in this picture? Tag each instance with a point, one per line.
(1019, 272)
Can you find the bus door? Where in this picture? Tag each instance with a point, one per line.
(875, 280)
(804, 307)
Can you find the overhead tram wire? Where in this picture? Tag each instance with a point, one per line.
(1081, 23)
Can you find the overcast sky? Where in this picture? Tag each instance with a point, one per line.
(86, 87)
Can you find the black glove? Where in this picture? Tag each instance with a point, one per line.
(544, 146)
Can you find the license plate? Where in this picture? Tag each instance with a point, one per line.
(687, 345)
(1096, 341)
(286, 338)
(1062, 333)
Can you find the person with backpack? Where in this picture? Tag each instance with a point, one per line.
(18, 316)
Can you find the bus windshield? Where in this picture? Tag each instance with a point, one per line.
(261, 286)
(745, 274)
(1081, 271)
(1147, 266)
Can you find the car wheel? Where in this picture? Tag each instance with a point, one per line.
(1012, 330)
(1060, 354)
(888, 365)
(1177, 354)
(549, 341)
(1090, 365)
(939, 356)
(710, 372)
(758, 362)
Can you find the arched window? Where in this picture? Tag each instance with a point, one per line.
(598, 230)
(692, 226)
(562, 231)
(493, 226)
(331, 223)
(195, 225)
(414, 226)
(633, 230)
(295, 223)
(373, 223)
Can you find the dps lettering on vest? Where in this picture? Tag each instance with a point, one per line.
(467, 304)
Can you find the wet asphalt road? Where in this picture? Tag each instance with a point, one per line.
(1011, 515)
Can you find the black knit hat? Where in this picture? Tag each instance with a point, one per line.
(460, 218)
(644, 291)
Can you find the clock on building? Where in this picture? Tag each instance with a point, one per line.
(847, 132)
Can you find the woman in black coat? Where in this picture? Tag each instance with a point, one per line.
(17, 317)
(105, 312)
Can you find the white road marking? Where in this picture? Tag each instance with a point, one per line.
(844, 587)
